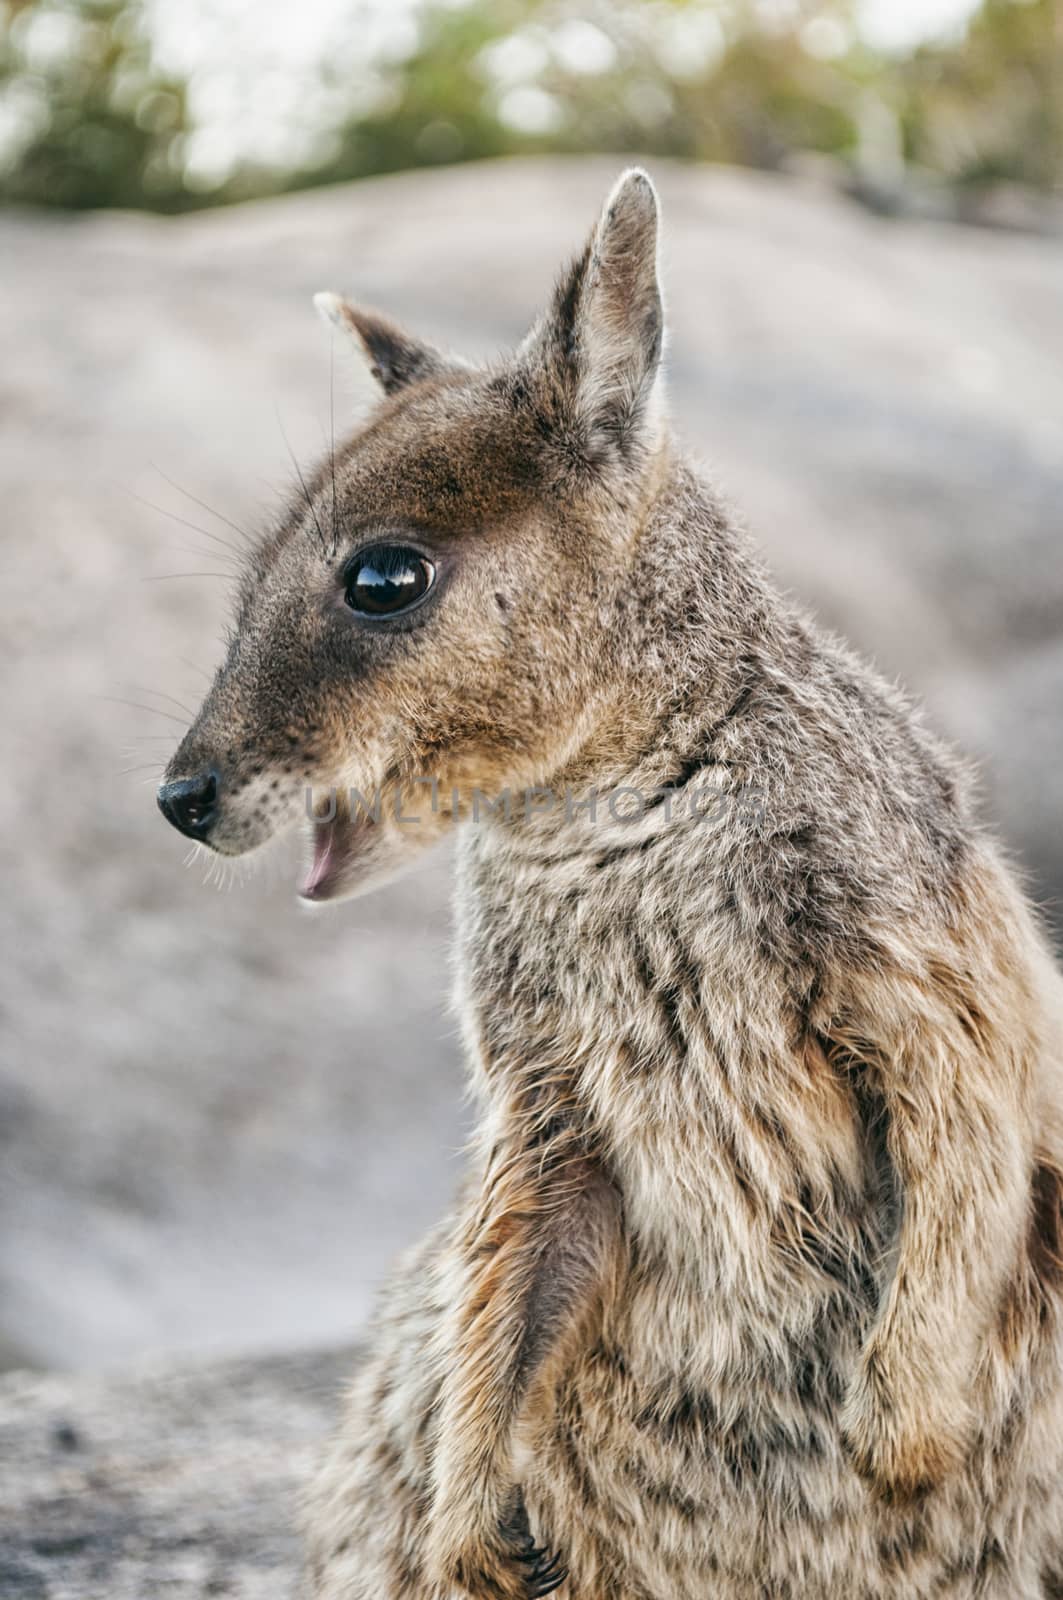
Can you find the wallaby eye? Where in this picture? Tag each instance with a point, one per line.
(387, 579)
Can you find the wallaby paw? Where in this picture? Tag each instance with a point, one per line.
(506, 1565)
(543, 1572)
(486, 1572)
(903, 1443)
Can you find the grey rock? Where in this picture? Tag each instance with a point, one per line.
(183, 1482)
(220, 1116)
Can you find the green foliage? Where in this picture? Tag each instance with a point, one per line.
(761, 96)
(91, 121)
(437, 112)
(993, 110)
(102, 128)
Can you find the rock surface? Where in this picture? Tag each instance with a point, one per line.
(220, 1117)
(183, 1483)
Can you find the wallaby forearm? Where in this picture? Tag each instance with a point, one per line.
(955, 1093)
(536, 1260)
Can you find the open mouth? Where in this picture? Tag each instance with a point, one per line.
(337, 844)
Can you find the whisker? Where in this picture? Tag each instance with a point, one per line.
(202, 504)
(302, 481)
(194, 666)
(208, 533)
(235, 567)
(332, 430)
(221, 872)
(165, 577)
(160, 694)
(136, 705)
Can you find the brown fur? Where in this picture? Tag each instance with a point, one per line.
(754, 1286)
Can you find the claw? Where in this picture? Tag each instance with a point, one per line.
(548, 1580)
(546, 1577)
(544, 1572)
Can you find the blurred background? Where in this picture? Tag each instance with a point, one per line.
(221, 1116)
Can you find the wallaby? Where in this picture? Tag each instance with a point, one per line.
(754, 1287)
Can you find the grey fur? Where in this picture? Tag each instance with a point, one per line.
(753, 1287)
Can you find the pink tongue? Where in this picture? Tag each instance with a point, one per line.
(327, 859)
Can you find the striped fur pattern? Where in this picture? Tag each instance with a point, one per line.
(754, 1284)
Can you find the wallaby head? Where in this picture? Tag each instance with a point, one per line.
(431, 607)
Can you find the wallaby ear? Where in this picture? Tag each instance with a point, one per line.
(606, 325)
(394, 358)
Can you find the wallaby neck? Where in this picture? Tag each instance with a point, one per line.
(686, 638)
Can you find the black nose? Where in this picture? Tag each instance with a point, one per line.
(189, 804)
